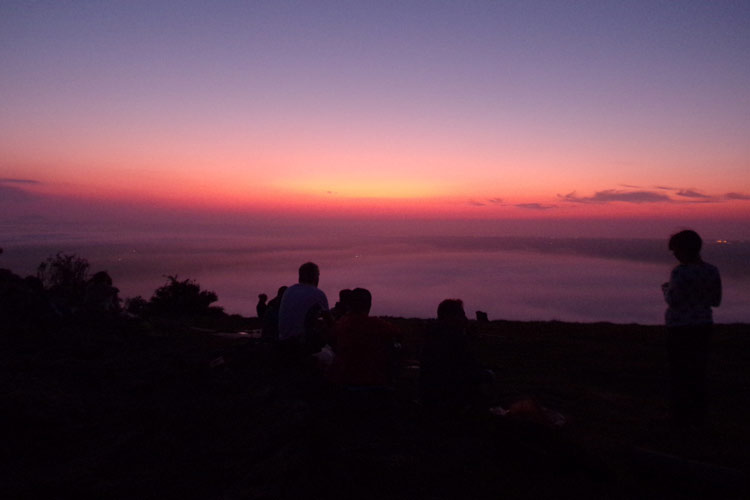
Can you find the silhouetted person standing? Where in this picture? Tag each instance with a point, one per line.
(694, 287)
(304, 310)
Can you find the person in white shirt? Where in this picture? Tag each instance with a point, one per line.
(694, 287)
(303, 308)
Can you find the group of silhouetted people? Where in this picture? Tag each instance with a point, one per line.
(302, 322)
(360, 349)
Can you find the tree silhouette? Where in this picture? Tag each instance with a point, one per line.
(182, 297)
(64, 272)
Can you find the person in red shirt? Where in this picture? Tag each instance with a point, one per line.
(364, 346)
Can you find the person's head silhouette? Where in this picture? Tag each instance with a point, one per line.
(360, 301)
(309, 274)
(686, 246)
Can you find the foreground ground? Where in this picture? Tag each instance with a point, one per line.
(130, 410)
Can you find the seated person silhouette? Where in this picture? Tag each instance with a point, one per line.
(342, 306)
(303, 314)
(261, 306)
(364, 346)
(449, 376)
(270, 328)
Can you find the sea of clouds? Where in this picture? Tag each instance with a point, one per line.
(514, 278)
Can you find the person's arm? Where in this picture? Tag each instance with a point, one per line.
(716, 291)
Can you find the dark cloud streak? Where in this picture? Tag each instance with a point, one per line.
(613, 195)
(8, 180)
(483, 203)
(535, 206)
(679, 195)
(691, 193)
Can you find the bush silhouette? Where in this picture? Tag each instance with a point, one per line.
(183, 298)
(22, 300)
(137, 306)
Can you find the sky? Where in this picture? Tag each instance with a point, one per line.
(457, 116)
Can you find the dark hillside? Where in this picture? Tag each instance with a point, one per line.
(129, 411)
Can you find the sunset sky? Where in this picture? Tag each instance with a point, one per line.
(437, 110)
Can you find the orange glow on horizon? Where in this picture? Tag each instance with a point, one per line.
(214, 200)
(373, 195)
(372, 188)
